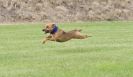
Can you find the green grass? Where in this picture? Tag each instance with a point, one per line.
(109, 53)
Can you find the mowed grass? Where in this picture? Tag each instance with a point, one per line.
(108, 53)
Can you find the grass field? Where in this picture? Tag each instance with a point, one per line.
(109, 53)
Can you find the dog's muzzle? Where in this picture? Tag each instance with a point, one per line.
(46, 31)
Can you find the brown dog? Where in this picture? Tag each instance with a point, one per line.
(59, 35)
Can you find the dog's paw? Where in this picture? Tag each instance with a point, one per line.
(87, 36)
(43, 42)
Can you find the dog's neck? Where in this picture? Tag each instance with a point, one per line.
(54, 30)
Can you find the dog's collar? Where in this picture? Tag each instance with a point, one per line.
(54, 30)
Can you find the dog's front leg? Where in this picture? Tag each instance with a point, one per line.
(53, 38)
(46, 39)
(49, 38)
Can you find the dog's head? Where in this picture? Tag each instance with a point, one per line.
(49, 28)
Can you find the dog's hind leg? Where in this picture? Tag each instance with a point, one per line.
(78, 35)
(81, 36)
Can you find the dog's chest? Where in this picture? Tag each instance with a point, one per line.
(60, 37)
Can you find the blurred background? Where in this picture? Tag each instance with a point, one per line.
(65, 10)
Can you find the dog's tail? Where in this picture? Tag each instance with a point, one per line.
(79, 30)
